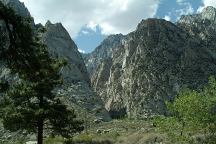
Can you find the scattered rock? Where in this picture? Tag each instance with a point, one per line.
(31, 142)
(97, 121)
(107, 131)
(99, 131)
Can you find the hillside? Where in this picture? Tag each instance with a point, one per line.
(151, 64)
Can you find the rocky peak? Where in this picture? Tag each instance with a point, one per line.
(157, 23)
(60, 44)
(209, 13)
(111, 39)
(202, 25)
(105, 48)
(153, 26)
(57, 27)
(149, 23)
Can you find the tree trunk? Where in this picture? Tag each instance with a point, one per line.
(182, 130)
(40, 132)
(40, 122)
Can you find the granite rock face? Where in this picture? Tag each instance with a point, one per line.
(151, 64)
(103, 51)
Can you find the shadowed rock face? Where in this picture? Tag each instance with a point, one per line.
(61, 45)
(151, 64)
(21, 10)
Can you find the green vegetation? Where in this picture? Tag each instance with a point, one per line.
(30, 103)
(192, 113)
(121, 131)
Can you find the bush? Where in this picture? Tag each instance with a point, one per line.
(85, 139)
(87, 142)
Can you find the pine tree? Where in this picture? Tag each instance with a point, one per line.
(31, 104)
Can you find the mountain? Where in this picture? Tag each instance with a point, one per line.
(151, 64)
(133, 74)
(76, 88)
(75, 91)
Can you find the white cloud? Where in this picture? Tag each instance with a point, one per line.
(209, 3)
(180, 1)
(84, 32)
(92, 25)
(81, 51)
(200, 9)
(112, 16)
(167, 18)
(188, 9)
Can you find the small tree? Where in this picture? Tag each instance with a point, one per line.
(31, 103)
(192, 112)
(195, 109)
(188, 108)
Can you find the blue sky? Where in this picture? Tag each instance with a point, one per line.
(90, 21)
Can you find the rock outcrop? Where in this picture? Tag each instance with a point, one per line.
(151, 64)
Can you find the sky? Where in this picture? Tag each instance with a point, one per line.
(89, 22)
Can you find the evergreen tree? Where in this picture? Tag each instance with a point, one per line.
(30, 104)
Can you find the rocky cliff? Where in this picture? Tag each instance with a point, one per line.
(104, 51)
(151, 64)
